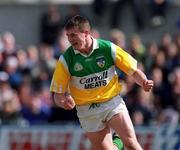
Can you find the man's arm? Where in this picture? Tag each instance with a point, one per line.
(141, 79)
(64, 100)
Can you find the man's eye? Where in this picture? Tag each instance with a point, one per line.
(74, 34)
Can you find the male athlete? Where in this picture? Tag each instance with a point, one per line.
(85, 77)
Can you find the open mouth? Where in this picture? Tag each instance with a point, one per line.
(75, 44)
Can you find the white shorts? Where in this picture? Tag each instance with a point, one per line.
(93, 117)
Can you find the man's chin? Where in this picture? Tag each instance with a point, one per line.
(77, 48)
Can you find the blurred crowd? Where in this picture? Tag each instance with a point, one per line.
(25, 75)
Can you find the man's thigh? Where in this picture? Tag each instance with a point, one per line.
(123, 126)
(101, 140)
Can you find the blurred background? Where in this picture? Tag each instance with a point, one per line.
(31, 40)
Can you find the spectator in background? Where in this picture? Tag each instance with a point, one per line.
(177, 41)
(130, 90)
(50, 25)
(1, 61)
(137, 48)
(33, 107)
(61, 44)
(34, 63)
(24, 92)
(35, 112)
(143, 104)
(10, 108)
(9, 45)
(1, 44)
(158, 10)
(11, 67)
(172, 58)
(165, 41)
(175, 86)
(160, 61)
(45, 96)
(152, 50)
(137, 8)
(33, 56)
(48, 63)
(4, 84)
(161, 90)
(22, 58)
(118, 37)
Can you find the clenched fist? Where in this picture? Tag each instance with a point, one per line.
(148, 85)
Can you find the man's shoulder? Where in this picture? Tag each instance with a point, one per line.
(104, 44)
(103, 41)
(68, 52)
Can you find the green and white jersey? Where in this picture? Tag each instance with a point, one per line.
(92, 78)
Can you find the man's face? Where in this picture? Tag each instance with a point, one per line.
(77, 38)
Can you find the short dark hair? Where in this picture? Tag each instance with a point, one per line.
(78, 21)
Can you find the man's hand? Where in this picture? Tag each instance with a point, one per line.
(141, 79)
(148, 85)
(64, 101)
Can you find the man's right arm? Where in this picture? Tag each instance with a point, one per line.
(64, 100)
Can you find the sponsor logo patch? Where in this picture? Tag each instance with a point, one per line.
(95, 81)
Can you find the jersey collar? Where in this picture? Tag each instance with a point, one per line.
(95, 46)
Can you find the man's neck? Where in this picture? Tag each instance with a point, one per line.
(88, 46)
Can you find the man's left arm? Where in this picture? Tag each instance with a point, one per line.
(128, 64)
(141, 79)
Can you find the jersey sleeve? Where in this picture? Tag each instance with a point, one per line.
(123, 60)
(61, 76)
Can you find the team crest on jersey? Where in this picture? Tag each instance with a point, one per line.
(78, 67)
(100, 61)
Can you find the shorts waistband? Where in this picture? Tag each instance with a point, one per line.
(96, 105)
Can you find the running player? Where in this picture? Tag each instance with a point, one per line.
(87, 70)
